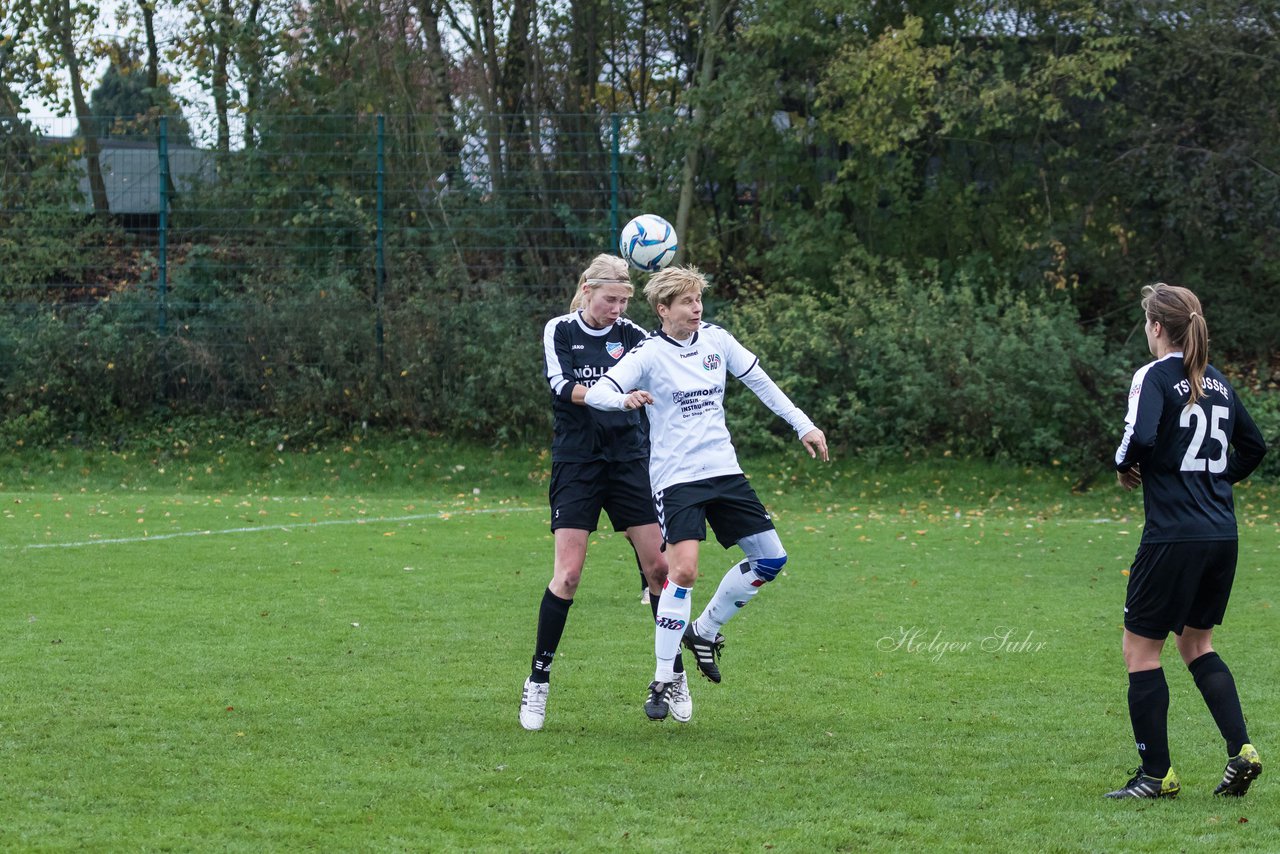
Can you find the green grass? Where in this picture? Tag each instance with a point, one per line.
(245, 649)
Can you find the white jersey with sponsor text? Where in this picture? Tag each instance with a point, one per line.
(689, 440)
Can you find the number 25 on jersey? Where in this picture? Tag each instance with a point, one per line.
(1194, 417)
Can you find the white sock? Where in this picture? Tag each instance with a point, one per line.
(674, 607)
(736, 589)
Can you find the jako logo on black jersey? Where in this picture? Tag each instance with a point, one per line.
(711, 362)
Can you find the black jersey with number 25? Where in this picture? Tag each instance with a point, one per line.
(1189, 456)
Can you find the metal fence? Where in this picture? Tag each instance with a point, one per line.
(520, 199)
(330, 226)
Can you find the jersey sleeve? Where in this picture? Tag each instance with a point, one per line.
(744, 365)
(1146, 402)
(1247, 445)
(558, 359)
(738, 360)
(773, 397)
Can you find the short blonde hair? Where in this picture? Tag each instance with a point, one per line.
(603, 270)
(670, 283)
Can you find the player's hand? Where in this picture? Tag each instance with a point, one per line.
(816, 444)
(638, 399)
(1129, 479)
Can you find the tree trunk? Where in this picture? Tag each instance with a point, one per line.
(441, 95)
(585, 41)
(88, 126)
(511, 86)
(219, 34)
(486, 39)
(148, 9)
(251, 64)
(716, 12)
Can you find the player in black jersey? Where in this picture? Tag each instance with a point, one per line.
(1187, 439)
(599, 461)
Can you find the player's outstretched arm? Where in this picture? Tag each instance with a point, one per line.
(605, 395)
(815, 441)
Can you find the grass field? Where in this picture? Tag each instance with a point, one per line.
(252, 649)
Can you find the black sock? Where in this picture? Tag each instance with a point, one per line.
(644, 582)
(551, 616)
(679, 665)
(1149, 713)
(1218, 688)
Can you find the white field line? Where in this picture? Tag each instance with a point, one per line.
(382, 520)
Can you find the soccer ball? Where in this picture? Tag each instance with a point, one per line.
(648, 242)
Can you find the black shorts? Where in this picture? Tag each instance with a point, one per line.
(727, 502)
(579, 491)
(1173, 585)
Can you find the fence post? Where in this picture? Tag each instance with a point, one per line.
(616, 131)
(162, 251)
(381, 238)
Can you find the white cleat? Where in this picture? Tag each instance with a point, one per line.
(679, 699)
(533, 704)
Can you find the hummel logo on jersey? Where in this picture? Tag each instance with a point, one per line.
(688, 354)
(614, 349)
(711, 362)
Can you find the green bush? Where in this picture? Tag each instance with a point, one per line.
(469, 366)
(888, 360)
(75, 368)
(49, 246)
(240, 340)
(1264, 408)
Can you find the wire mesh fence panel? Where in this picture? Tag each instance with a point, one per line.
(314, 270)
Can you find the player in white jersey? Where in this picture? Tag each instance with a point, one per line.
(679, 372)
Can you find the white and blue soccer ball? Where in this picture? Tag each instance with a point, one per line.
(648, 243)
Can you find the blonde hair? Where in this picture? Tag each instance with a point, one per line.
(670, 283)
(1178, 310)
(603, 270)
